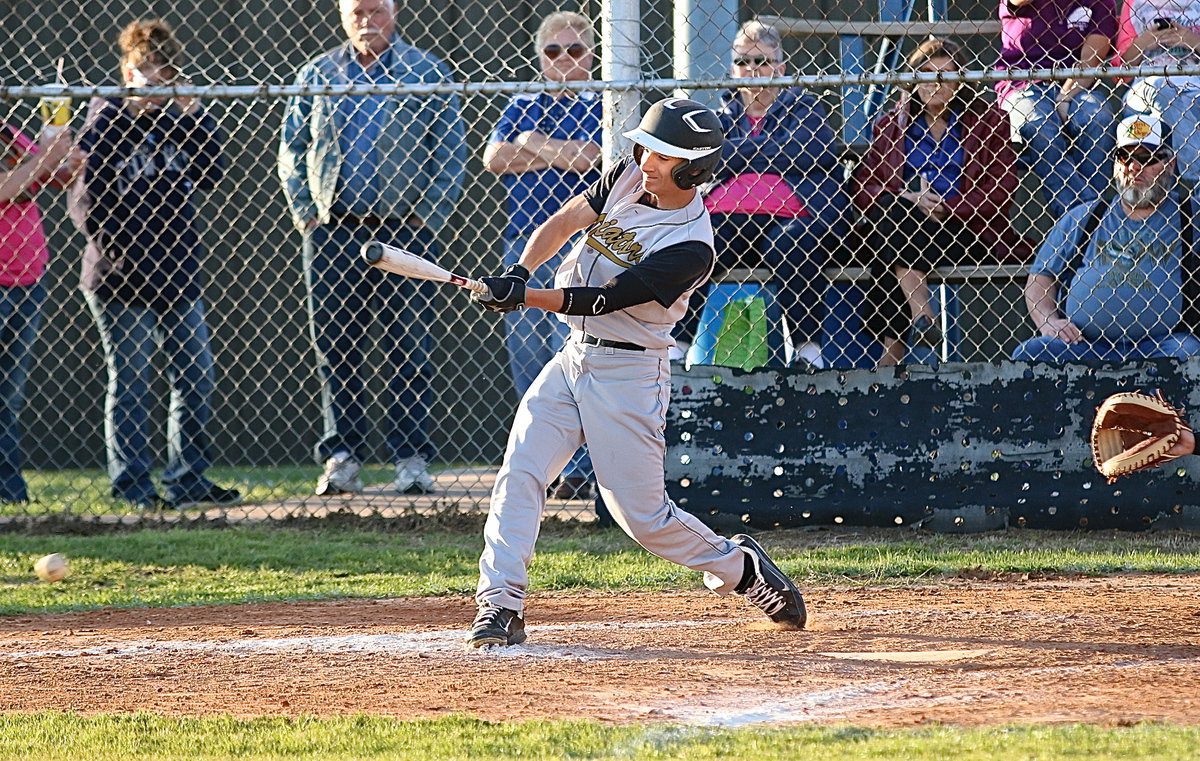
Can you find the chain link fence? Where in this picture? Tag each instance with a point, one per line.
(882, 203)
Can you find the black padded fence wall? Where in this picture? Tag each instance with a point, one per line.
(963, 447)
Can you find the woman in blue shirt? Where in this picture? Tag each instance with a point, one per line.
(546, 149)
(935, 187)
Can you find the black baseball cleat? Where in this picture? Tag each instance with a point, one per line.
(496, 626)
(768, 588)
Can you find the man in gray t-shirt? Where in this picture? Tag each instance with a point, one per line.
(1124, 298)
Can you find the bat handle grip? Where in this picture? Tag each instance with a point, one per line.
(476, 286)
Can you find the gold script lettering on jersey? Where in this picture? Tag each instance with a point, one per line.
(628, 233)
(619, 245)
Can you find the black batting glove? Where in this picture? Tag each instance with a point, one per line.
(505, 294)
(517, 271)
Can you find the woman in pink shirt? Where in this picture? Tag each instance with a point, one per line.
(24, 167)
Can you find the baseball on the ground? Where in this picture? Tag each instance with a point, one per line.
(51, 567)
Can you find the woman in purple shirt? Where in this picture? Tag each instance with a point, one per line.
(1067, 125)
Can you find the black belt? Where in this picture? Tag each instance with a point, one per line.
(360, 220)
(590, 339)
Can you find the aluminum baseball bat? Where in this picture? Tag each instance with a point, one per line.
(401, 262)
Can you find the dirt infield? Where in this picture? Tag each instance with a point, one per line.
(965, 652)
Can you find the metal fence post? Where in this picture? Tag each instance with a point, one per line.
(704, 32)
(620, 28)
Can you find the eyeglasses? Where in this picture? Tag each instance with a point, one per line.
(575, 50)
(1145, 158)
(754, 61)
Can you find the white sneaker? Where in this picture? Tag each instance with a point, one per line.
(412, 476)
(340, 476)
(678, 352)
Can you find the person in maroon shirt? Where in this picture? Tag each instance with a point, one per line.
(1067, 125)
(935, 187)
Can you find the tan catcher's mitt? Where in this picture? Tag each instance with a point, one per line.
(1134, 431)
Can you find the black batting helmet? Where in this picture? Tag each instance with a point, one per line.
(683, 129)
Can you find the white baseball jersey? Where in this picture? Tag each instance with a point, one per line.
(626, 235)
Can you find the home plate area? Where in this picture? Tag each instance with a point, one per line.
(965, 652)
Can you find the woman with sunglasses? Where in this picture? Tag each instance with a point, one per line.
(935, 189)
(546, 149)
(146, 158)
(777, 194)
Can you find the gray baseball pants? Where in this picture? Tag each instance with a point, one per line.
(615, 400)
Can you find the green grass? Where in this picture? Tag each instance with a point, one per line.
(86, 492)
(149, 568)
(125, 738)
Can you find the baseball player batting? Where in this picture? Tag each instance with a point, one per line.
(648, 245)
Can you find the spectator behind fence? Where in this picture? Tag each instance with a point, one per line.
(1126, 269)
(146, 158)
(371, 167)
(24, 167)
(1165, 34)
(546, 148)
(935, 188)
(1066, 126)
(778, 195)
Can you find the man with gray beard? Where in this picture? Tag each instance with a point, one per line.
(1131, 284)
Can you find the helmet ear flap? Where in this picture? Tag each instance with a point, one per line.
(684, 175)
(696, 172)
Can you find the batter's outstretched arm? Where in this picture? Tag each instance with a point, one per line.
(662, 278)
(619, 293)
(550, 236)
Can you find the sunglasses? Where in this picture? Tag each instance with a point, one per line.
(754, 61)
(575, 50)
(1145, 158)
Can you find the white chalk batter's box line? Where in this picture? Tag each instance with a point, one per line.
(741, 707)
(450, 642)
(440, 641)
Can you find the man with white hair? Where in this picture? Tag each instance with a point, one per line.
(1128, 266)
(385, 167)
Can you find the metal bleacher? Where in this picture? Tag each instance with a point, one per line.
(884, 37)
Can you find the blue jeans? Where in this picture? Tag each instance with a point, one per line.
(346, 298)
(534, 336)
(1070, 174)
(130, 335)
(20, 318)
(1043, 349)
(1177, 101)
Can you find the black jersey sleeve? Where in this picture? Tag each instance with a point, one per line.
(597, 194)
(670, 272)
(662, 277)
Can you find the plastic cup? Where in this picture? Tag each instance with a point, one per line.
(56, 113)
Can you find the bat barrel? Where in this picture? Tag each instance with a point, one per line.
(372, 252)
